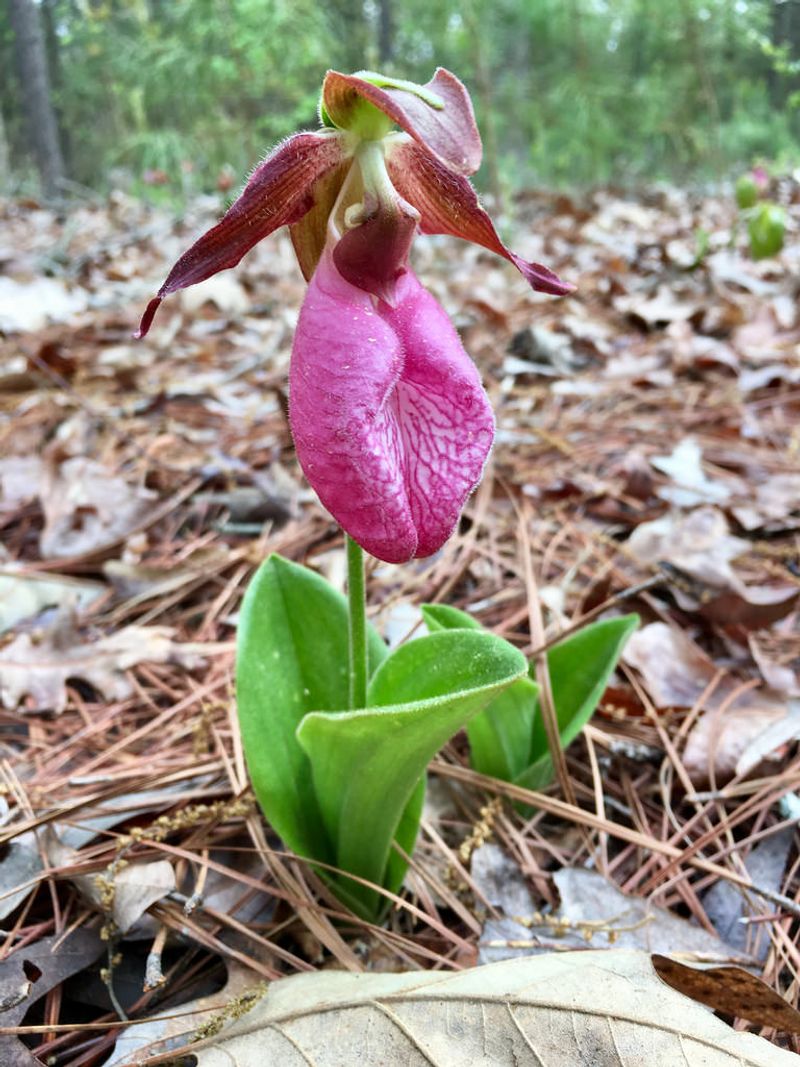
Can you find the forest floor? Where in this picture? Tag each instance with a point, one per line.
(647, 459)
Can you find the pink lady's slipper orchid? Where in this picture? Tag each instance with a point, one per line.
(390, 421)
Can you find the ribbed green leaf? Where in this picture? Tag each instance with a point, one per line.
(367, 764)
(291, 659)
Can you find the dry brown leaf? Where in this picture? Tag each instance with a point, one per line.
(776, 499)
(729, 738)
(676, 673)
(675, 670)
(663, 307)
(19, 481)
(779, 675)
(771, 738)
(699, 544)
(732, 991)
(727, 904)
(753, 609)
(169, 1031)
(592, 910)
(30, 305)
(31, 972)
(87, 507)
(593, 1008)
(690, 484)
(24, 596)
(124, 890)
(38, 667)
(21, 863)
(629, 921)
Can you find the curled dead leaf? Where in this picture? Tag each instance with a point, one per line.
(732, 991)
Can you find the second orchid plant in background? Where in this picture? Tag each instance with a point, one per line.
(392, 428)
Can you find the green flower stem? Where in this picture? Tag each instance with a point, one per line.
(357, 624)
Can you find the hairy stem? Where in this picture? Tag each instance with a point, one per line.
(357, 624)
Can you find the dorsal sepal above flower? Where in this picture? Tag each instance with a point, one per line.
(438, 114)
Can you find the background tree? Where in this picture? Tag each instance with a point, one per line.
(571, 93)
(41, 127)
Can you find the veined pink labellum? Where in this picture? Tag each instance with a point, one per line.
(390, 420)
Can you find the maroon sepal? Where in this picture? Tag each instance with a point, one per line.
(280, 191)
(447, 203)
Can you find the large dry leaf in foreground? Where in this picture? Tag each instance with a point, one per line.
(577, 1008)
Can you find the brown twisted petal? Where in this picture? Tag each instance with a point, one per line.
(310, 233)
(447, 203)
(449, 132)
(280, 192)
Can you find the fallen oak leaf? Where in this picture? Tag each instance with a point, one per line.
(19, 479)
(773, 737)
(591, 909)
(689, 483)
(730, 990)
(25, 595)
(163, 1032)
(699, 544)
(39, 666)
(677, 673)
(726, 905)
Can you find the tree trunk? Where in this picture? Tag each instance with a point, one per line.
(385, 32)
(785, 33)
(5, 164)
(40, 119)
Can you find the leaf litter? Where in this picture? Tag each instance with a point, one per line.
(647, 440)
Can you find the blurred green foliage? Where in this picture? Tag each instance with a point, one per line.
(766, 228)
(171, 92)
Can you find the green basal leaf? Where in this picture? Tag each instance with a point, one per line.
(508, 739)
(500, 737)
(291, 658)
(536, 776)
(580, 667)
(443, 617)
(367, 764)
(405, 837)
